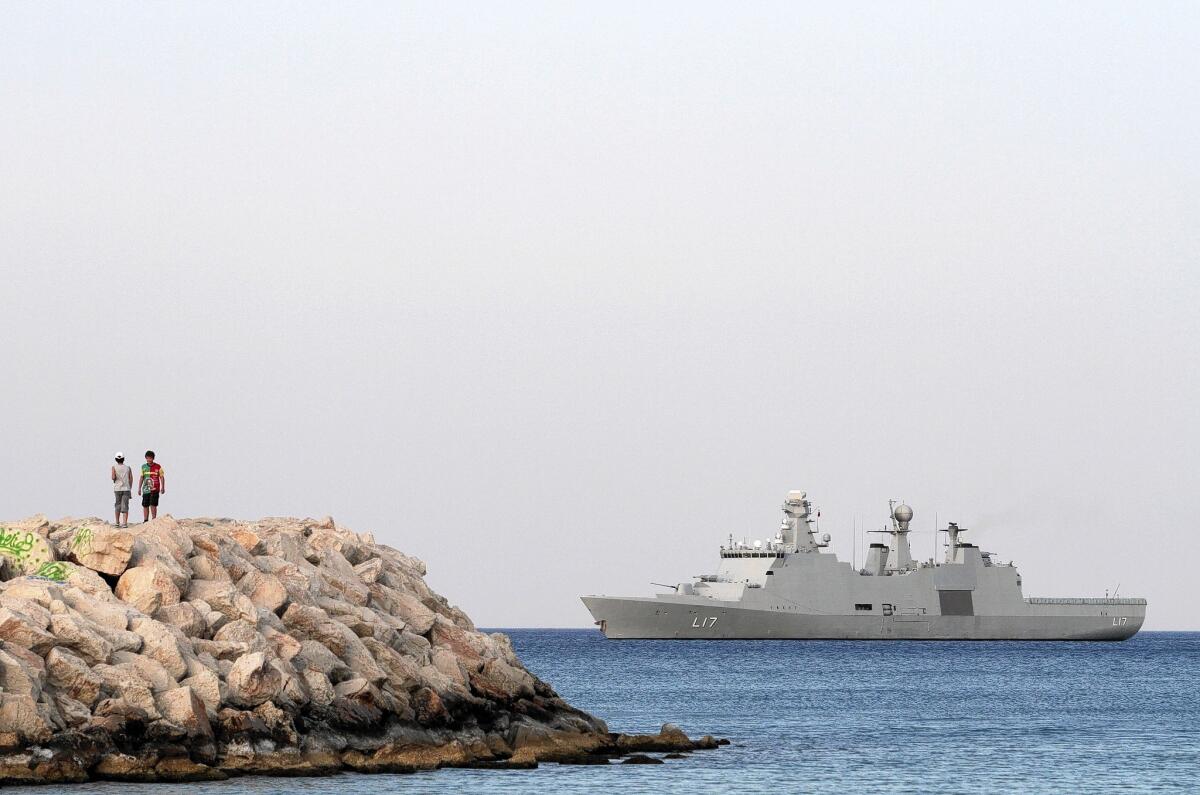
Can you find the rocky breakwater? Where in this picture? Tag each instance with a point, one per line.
(199, 649)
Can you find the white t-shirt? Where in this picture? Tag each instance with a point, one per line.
(124, 481)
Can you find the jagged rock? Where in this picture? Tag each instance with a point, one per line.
(185, 617)
(126, 685)
(319, 687)
(19, 715)
(263, 590)
(105, 610)
(74, 633)
(185, 709)
(73, 676)
(416, 615)
(18, 676)
(23, 630)
(223, 597)
(147, 668)
(106, 550)
(75, 713)
(241, 632)
(278, 646)
(33, 589)
(163, 645)
(249, 540)
(207, 685)
(253, 680)
(499, 680)
(148, 587)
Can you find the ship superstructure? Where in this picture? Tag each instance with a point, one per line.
(791, 586)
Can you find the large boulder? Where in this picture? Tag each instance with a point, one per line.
(263, 590)
(183, 707)
(163, 645)
(102, 549)
(17, 675)
(148, 587)
(26, 545)
(72, 675)
(76, 634)
(223, 597)
(253, 680)
(22, 630)
(21, 719)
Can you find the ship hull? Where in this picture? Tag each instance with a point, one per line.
(707, 619)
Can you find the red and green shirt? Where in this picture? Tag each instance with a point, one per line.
(151, 478)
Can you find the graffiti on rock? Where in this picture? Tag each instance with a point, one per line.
(81, 542)
(28, 551)
(15, 544)
(55, 570)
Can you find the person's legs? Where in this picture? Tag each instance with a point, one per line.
(146, 507)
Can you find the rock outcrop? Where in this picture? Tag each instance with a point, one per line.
(185, 650)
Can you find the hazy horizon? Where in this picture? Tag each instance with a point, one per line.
(557, 296)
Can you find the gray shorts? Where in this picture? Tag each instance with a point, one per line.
(122, 501)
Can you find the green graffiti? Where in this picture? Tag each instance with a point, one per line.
(13, 543)
(54, 570)
(82, 542)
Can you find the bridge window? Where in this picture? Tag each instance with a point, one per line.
(864, 607)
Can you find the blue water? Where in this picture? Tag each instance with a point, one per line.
(820, 717)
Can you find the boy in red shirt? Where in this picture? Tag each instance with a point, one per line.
(152, 483)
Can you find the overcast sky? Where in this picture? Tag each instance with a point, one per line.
(557, 296)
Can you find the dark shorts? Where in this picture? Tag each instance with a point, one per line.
(122, 501)
(150, 498)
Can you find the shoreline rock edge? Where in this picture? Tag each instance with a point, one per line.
(200, 649)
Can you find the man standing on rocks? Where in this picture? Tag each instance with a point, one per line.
(152, 483)
(122, 479)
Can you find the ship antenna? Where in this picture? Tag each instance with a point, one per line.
(935, 534)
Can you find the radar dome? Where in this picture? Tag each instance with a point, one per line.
(903, 513)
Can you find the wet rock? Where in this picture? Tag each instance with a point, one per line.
(640, 759)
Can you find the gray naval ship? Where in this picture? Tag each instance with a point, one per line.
(789, 587)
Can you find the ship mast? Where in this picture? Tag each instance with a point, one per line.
(900, 515)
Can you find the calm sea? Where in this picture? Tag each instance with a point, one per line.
(818, 716)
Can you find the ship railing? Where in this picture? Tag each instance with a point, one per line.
(1047, 600)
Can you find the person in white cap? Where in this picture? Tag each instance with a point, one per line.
(122, 479)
